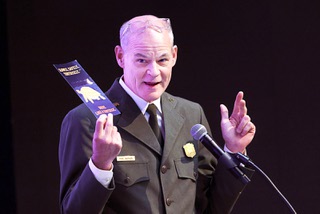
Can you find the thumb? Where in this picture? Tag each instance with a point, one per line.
(224, 112)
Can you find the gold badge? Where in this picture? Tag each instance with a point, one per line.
(189, 150)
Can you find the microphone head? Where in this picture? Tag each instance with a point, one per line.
(198, 131)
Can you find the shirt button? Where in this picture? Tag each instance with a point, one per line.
(164, 169)
(169, 201)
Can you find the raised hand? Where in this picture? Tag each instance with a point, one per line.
(238, 130)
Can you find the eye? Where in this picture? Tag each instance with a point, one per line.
(163, 60)
(141, 61)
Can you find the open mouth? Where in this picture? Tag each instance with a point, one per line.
(152, 83)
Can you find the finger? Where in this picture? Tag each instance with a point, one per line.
(249, 128)
(109, 124)
(114, 133)
(237, 103)
(117, 137)
(224, 112)
(244, 121)
(242, 109)
(100, 123)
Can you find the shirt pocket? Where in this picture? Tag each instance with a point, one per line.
(128, 174)
(186, 169)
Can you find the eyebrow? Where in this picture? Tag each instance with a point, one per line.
(144, 56)
(140, 55)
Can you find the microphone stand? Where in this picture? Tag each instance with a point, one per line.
(247, 162)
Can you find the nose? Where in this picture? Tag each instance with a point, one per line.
(153, 69)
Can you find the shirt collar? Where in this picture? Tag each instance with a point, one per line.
(141, 103)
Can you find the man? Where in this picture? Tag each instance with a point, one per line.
(115, 164)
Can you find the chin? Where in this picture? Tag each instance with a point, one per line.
(152, 97)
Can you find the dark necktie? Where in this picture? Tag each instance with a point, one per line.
(153, 122)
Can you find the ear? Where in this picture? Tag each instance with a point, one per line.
(174, 54)
(119, 55)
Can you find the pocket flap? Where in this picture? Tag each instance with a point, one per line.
(128, 174)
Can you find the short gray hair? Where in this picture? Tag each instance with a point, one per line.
(127, 26)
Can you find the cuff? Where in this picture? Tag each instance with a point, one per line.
(103, 176)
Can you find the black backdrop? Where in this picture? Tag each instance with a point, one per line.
(268, 49)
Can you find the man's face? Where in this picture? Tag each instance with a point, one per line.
(147, 62)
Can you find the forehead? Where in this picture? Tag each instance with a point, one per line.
(149, 42)
(150, 54)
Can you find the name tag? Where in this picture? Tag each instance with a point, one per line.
(126, 158)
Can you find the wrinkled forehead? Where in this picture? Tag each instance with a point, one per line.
(148, 42)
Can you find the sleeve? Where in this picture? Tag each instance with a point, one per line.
(80, 192)
(217, 189)
(103, 176)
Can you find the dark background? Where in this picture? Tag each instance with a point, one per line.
(268, 49)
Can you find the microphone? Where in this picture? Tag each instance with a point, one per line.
(199, 132)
